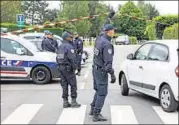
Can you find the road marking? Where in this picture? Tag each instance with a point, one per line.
(167, 118)
(86, 74)
(23, 114)
(81, 85)
(122, 115)
(72, 115)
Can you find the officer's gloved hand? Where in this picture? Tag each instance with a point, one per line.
(113, 78)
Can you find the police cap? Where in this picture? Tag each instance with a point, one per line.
(47, 32)
(108, 27)
(66, 34)
(75, 33)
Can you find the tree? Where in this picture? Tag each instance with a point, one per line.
(151, 31)
(9, 10)
(35, 11)
(149, 11)
(75, 9)
(50, 15)
(96, 23)
(129, 25)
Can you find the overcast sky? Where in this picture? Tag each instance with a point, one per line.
(164, 7)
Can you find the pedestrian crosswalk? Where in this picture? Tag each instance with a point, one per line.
(119, 114)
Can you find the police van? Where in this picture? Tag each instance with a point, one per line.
(21, 59)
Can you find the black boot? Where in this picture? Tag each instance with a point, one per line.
(91, 111)
(74, 104)
(98, 117)
(79, 73)
(66, 104)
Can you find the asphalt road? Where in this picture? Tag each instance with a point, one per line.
(24, 102)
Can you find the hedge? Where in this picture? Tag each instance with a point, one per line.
(166, 19)
(13, 27)
(171, 32)
(133, 40)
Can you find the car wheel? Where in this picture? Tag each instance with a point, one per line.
(41, 75)
(124, 86)
(167, 100)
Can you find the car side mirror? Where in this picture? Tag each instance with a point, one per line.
(20, 51)
(130, 56)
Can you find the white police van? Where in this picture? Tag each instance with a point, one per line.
(21, 59)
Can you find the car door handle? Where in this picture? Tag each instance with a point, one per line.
(140, 67)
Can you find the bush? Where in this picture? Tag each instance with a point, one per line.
(14, 27)
(133, 40)
(151, 31)
(171, 32)
(166, 19)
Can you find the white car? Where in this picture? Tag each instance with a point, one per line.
(122, 40)
(20, 59)
(153, 70)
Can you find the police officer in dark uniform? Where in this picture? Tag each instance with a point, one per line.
(48, 43)
(66, 59)
(102, 65)
(79, 51)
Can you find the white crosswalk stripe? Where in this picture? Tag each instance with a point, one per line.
(23, 114)
(120, 114)
(72, 115)
(167, 118)
(81, 85)
(123, 115)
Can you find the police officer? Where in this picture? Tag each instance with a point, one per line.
(102, 65)
(48, 43)
(66, 60)
(79, 51)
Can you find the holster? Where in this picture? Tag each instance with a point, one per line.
(68, 68)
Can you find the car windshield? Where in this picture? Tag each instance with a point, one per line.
(122, 38)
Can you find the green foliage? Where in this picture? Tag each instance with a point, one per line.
(12, 26)
(150, 31)
(167, 19)
(133, 40)
(75, 9)
(96, 23)
(35, 11)
(171, 32)
(130, 9)
(56, 31)
(149, 11)
(9, 10)
(128, 25)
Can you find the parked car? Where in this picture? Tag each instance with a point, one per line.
(20, 59)
(36, 38)
(122, 40)
(153, 70)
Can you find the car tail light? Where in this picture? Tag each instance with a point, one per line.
(177, 71)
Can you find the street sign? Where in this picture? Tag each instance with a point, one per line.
(20, 20)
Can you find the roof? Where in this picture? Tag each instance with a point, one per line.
(167, 42)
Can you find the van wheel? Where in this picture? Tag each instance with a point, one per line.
(167, 100)
(124, 86)
(41, 75)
